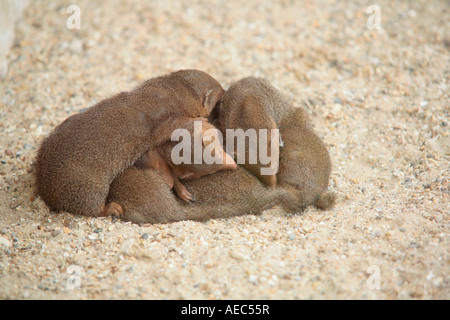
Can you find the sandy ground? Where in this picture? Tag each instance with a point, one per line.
(378, 98)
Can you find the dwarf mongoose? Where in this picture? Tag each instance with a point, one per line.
(144, 196)
(245, 106)
(79, 159)
(304, 162)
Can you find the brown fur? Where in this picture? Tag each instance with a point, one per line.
(304, 164)
(146, 198)
(77, 162)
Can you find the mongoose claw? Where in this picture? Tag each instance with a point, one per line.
(184, 194)
(187, 196)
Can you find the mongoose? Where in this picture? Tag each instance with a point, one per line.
(144, 196)
(141, 195)
(79, 159)
(247, 107)
(304, 162)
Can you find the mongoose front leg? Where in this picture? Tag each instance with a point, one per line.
(152, 159)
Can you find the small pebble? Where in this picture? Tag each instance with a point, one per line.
(93, 236)
(56, 233)
(5, 242)
(127, 246)
(76, 46)
(237, 255)
(423, 103)
(413, 244)
(253, 279)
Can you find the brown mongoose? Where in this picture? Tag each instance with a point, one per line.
(304, 162)
(79, 159)
(144, 196)
(245, 106)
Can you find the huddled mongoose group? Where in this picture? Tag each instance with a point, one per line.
(117, 156)
(77, 162)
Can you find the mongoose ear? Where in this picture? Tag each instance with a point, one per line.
(209, 102)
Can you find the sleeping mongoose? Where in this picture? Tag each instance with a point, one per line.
(246, 107)
(304, 163)
(142, 196)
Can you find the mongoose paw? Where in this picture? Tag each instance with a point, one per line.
(113, 209)
(184, 194)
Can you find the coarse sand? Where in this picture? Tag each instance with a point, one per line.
(377, 93)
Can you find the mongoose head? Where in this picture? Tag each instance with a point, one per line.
(206, 140)
(205, 86)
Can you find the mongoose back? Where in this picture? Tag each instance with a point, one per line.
(304, 163)
(77, 162)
